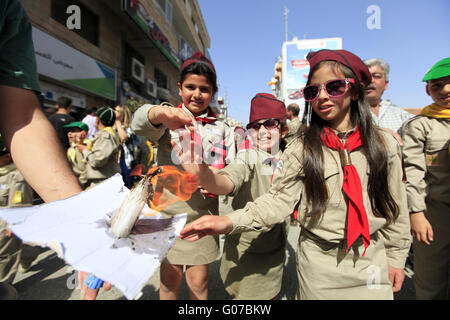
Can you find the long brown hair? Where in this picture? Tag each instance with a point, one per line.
(374, 149)
(126, 115)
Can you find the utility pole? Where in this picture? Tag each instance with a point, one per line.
(286, 11)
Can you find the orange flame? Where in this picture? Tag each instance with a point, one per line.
(137, 170)
(170, 186)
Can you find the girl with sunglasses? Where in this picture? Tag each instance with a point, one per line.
(162, 124)
(252, 263)
(345, 177)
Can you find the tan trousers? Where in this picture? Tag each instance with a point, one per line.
(12, 253)
(9, 255)
(431, 262)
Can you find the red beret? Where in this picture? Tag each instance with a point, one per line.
(266, 106)
(346, 58)
(198, 56)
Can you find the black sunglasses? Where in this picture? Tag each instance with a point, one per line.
(268, 124)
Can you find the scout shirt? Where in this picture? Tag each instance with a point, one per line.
(205, 250)
(14, 191)
(102, 162)
(293, 126)
(427, 166)
(288, 190)
(77, 161)
(252, 262)
(427, 161)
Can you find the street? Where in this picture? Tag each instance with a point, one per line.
(49, 278)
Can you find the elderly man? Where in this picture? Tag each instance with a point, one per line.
(385, 114)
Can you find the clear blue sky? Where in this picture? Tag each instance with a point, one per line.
(247, 35)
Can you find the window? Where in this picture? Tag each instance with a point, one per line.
(169, 12)
(160, 79)
(165, 7)
(188, 8)
(89, 21)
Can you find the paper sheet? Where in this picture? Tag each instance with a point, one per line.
(77, 229)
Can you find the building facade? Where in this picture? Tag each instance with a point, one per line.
(105, 52)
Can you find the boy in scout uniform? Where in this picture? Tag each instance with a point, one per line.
(426, 151)
(252, 262)
(76, 132)
(102, 160)
(14, 192)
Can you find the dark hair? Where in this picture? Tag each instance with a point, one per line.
(201, 69)
(283, 124)
(294, 108)
(106, 115)
(64, 102)
(381, 200)
(108, 122)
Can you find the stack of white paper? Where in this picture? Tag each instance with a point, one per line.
(77, 229)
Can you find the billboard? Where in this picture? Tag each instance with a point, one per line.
(295, 68)
(59, 61)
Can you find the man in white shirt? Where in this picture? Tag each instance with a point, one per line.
(385, 114)
(90, 121)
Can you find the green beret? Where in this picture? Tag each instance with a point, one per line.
(439, 70)
(78, 124)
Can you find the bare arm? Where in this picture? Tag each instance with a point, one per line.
(34, 146)
(122, 133)
(213, 182)
(172, 118)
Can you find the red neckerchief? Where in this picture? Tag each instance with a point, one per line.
(357, 223)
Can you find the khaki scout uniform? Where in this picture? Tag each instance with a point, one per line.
(427, 165)
(293, 126)
(102, 162)
(325, 270)
(77, 162)
(14, 192)
(205, 250)
(252, 262)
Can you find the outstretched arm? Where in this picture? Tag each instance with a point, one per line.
(34, 146)
(206, 225)
(190, 156)
(172, 118)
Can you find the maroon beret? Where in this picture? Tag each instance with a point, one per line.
(198, 56)
(346, 58)
(266, 106)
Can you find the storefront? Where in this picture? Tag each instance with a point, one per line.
(65, 71)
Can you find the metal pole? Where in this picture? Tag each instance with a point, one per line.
(286, 11)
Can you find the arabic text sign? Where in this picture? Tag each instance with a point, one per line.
(59, 61)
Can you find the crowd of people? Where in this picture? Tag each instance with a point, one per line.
(362, 178)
